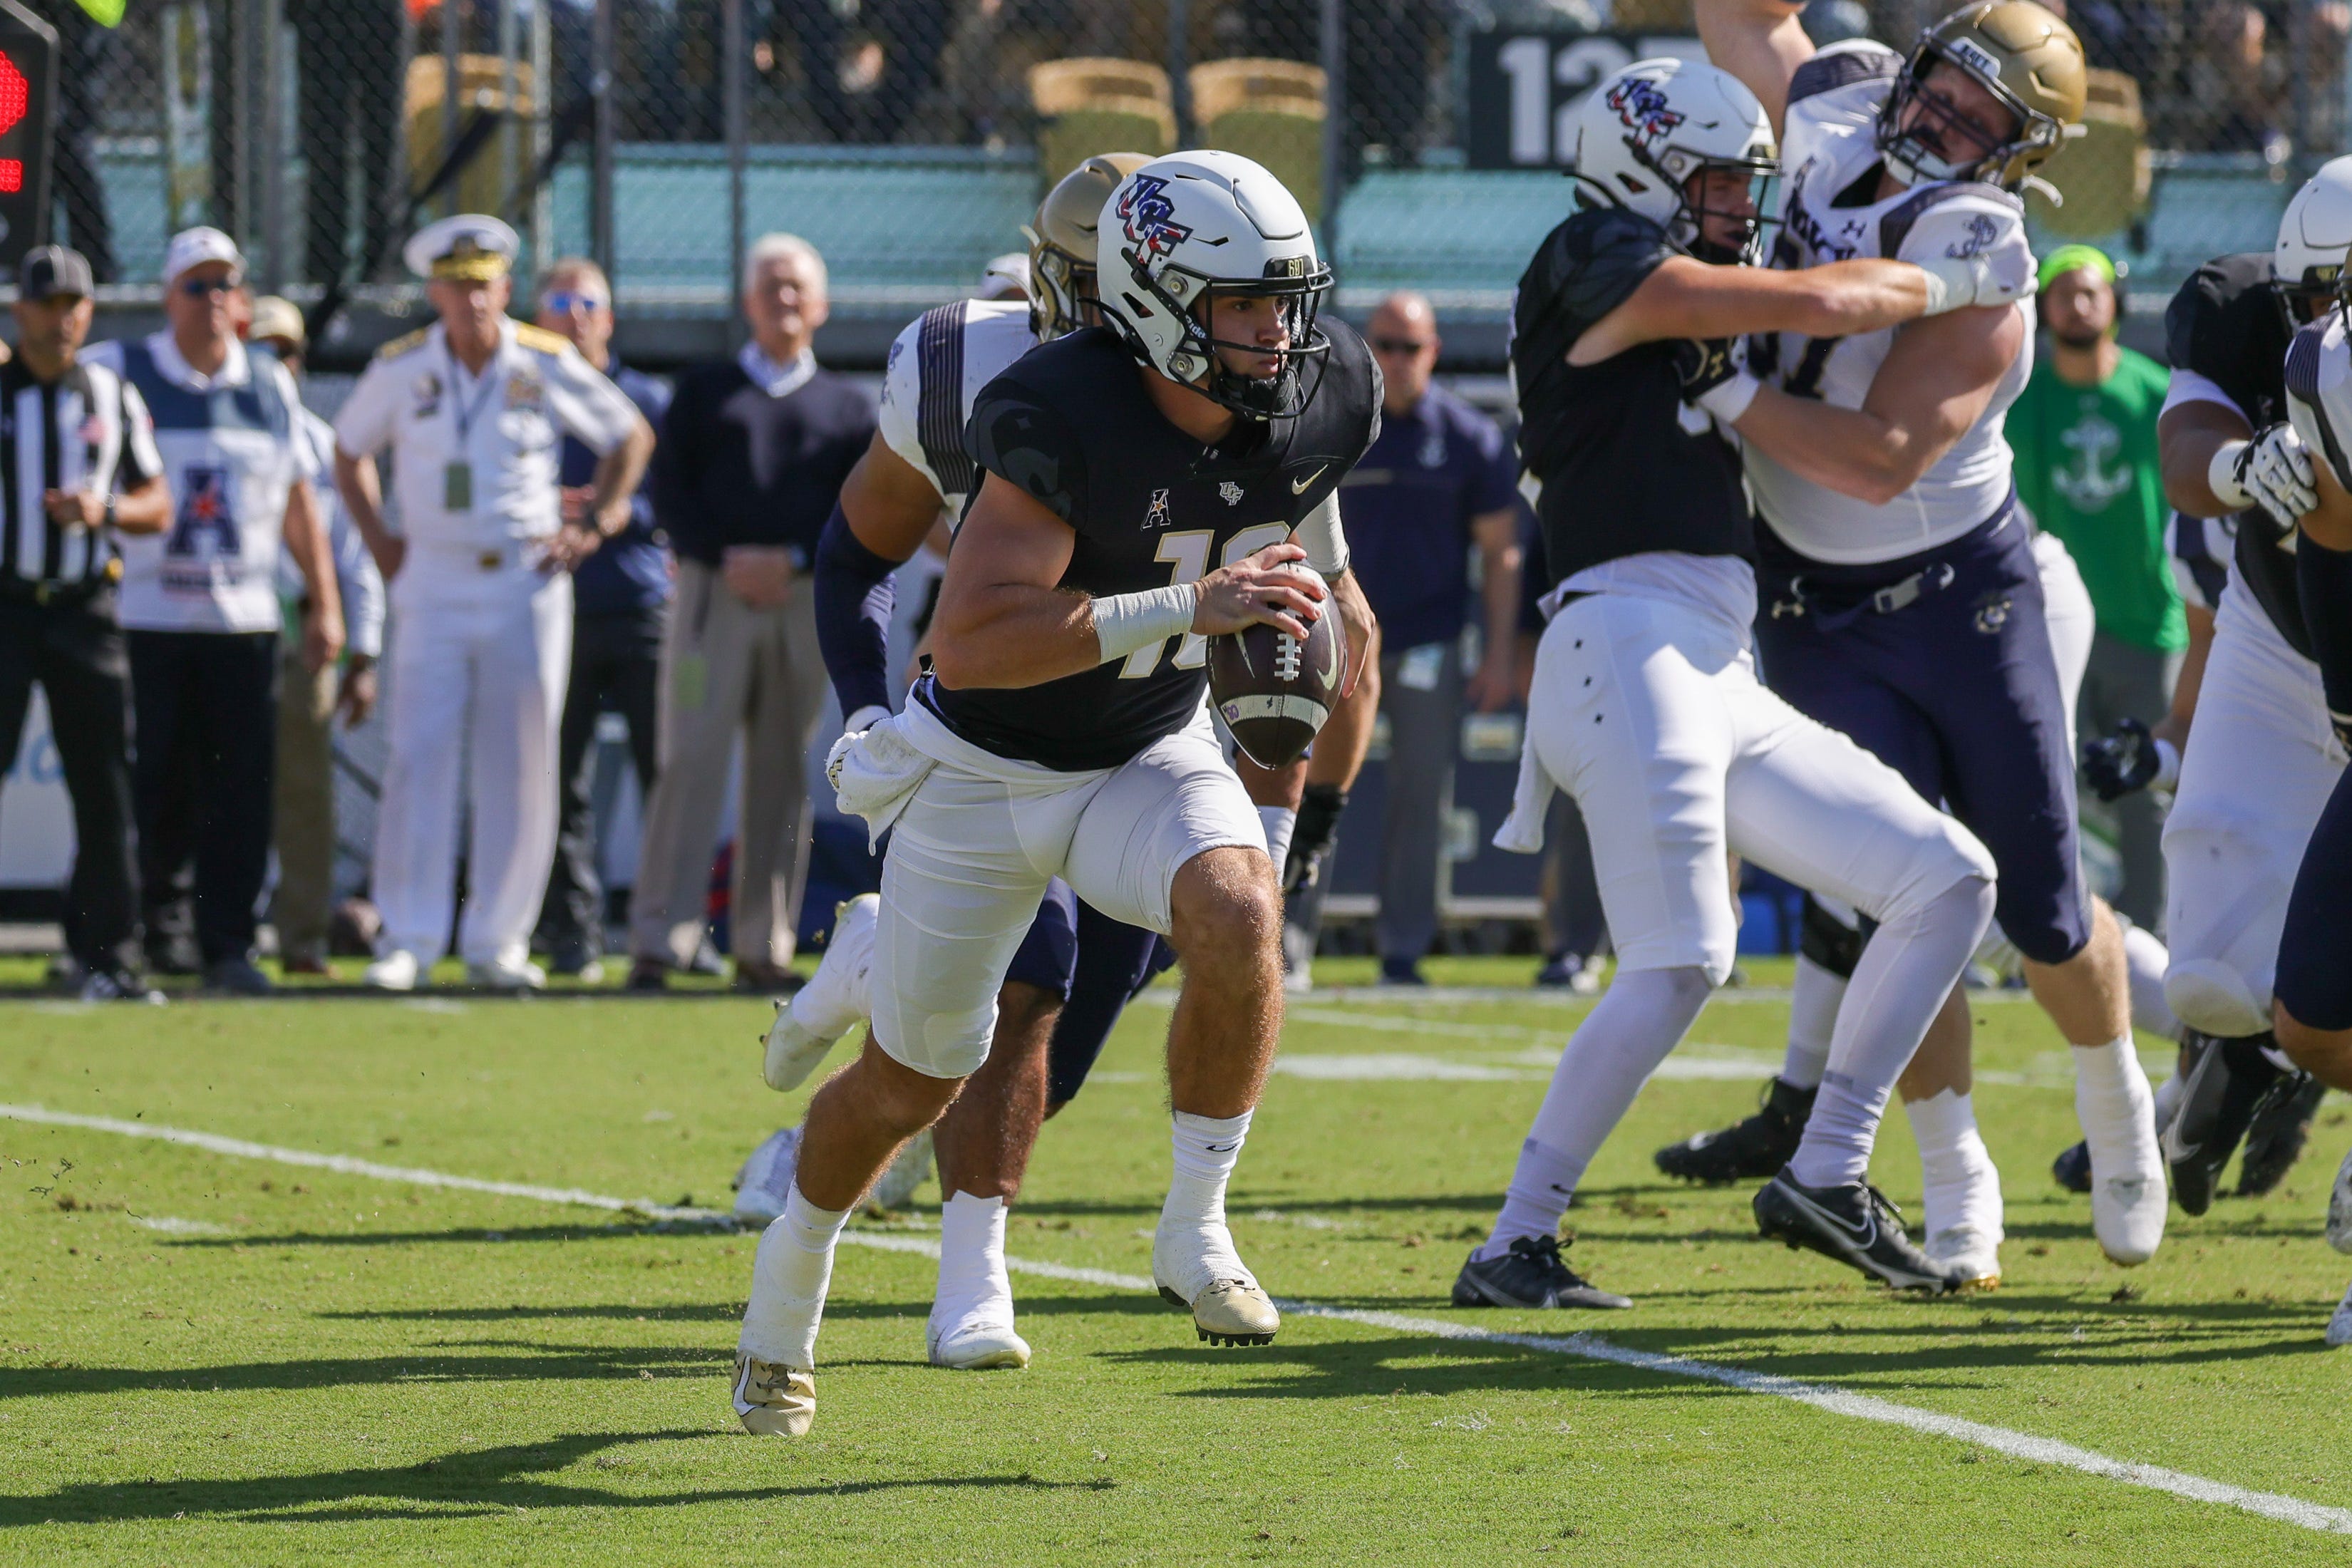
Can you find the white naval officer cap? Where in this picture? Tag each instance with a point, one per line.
(471, 246)
(195, 247)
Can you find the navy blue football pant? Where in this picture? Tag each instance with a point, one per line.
(2314, 963)
(1955, 689)
(1116, 961)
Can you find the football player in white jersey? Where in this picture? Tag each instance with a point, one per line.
(1904, 605)
(1076, 968)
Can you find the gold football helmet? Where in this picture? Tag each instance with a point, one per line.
(2017, 52)
(1062, 244)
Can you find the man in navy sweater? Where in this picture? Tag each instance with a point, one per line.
(753, 457)
(620, 608)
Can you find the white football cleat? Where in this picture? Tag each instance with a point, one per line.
(980, 1341)
(398, 970)
(895, 1188)
(2339, 1209)
(772, 1400)
(835, 1001)
(1196, 1267)
(766, 1178)
(1968, 1251)
(507, 973)
(2128, 1201)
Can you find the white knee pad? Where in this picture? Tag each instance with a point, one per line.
(2213, 998)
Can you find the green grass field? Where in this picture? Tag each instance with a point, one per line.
(210, 1358)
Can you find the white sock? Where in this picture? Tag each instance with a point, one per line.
(1279, 822)
(1206, 1149)
(1813, 1003)
(789, 1276)
(1962, 1185)
(1898, 989)
(1641, 1016)
(974, 1283)
(2116, 1109)
(2146, 959)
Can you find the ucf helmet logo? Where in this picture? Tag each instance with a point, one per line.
(1641, 105)
(1149, 217)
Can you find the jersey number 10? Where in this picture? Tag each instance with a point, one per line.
(1188, 553)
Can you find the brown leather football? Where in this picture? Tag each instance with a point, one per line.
(1274, 692)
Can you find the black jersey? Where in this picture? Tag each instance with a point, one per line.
(1626, 466)
(1071, 424)
(2226, 324)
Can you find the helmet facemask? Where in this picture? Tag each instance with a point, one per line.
(1062, 293)
(1952, 147)
(1296, 283)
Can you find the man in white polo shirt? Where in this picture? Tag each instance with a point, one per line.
(474, 409)
(200, 607)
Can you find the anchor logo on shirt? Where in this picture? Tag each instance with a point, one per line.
(2093, 479)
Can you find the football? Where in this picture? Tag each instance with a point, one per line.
(1274, 692)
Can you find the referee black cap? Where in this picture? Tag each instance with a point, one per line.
(50, 270)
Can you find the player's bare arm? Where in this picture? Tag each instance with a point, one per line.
(890, 505)
(1759, 41)
(1687, 298)
(1004, 623)
(1937, 382)
(2188, 435)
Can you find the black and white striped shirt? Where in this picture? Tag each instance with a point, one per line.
(87, 431)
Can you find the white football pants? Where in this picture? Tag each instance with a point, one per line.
(477, 668)
(2259, 763)
(1649, 712)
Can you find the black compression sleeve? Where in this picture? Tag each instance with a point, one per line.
(855, 592)
(2324, 582)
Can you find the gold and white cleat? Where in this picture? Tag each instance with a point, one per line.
(773, 1400)
(1230, 1312)
(1969, 1253)
(977, 1346)
(1196, 1268)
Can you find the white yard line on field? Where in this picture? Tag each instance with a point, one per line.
(1588, 1347)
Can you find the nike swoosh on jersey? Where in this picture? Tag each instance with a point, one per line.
(1298, 487)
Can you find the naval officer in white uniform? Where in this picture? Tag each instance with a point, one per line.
(474, 409)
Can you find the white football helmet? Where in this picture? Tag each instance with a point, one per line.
(1186, 227)
(2313, 233)
(1647, 132)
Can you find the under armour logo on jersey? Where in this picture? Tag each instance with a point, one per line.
(1982, 232)
(1230, 492)
(1158, 516)
(1640, 104)
(1992, 613)
(1149, 217)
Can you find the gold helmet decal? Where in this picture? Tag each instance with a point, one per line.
(1062, 244)
(2025, 56)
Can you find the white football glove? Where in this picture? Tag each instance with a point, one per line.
(2273, 471)
(2003, 276)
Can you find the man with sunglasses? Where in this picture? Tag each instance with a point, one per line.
(201, 610)
(1904, 604)
(1140, 485)
(620, 602)
(1645, 704)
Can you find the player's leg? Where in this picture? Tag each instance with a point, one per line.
(1812, 807)
(1172, 844)
(1116, 961)
(2313, 1010)
(414, 871)
(984, 1144)
(517, 711)
(959, 891)
(1624, 718)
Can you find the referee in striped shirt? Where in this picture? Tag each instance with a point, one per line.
(78, 466)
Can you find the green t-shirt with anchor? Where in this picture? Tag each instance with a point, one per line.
(2087, 469)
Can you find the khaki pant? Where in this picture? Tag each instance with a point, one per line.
(726, 667)
(305, 806)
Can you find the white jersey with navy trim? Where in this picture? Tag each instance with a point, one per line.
(937, 365)
(1830, 164)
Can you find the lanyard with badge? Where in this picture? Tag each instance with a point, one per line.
(457, 475)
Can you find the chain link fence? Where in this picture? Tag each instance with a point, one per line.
(910, 137)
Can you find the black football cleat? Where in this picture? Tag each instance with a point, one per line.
(1853, 1225)
(1746, 1151)
(2222, 1083)
(2275, 1137)
(2072, 1169)
(1531, 1274)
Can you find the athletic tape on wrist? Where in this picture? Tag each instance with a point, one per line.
(1951, 284)
(2222, 477)
(1126, 622)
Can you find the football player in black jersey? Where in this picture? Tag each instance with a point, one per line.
(1143, 484)
(1645, 704)
(2261, 767)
